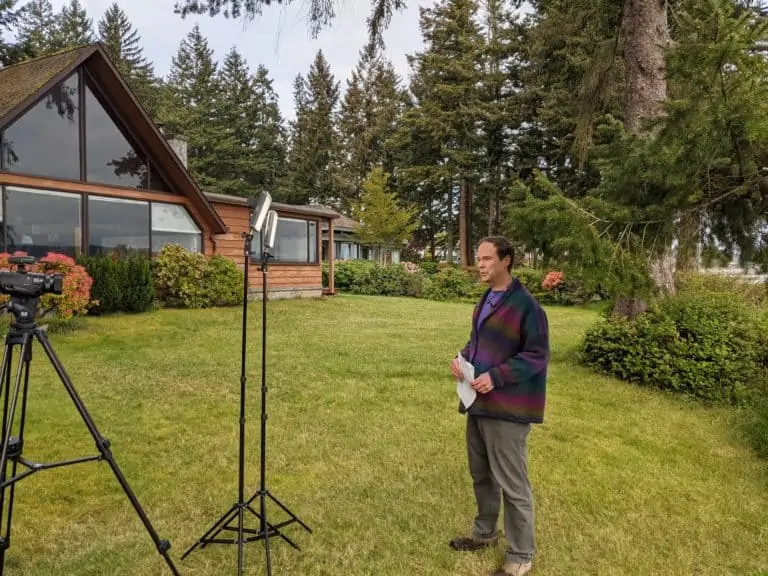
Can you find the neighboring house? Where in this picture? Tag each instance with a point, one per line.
(347, 245)
(83, 169)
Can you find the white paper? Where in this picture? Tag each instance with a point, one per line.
(464, 389)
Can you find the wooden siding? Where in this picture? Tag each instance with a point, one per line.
(281, 276)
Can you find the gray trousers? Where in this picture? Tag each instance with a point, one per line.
(497, 463)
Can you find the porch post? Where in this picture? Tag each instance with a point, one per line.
(331, 257)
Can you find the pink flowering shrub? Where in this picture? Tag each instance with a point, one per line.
(411, 267)
(76, 286)
(552, 280)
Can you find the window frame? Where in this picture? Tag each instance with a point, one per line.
(82, 198)
(256, 245)
(84, 214)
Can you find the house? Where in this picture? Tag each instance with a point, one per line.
(83, 169)
(348, 246)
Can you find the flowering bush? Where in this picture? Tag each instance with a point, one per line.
(552, 280)
(76, 287)
(411, 267)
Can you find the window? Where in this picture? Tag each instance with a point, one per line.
(295, 242)
(111, 159)
(45, 141)
(40, 221)
(117, 224)
(172, 224)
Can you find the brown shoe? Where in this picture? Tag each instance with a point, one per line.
(470, 543)
(513, 569)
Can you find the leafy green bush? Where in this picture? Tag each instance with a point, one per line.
(223, 282)
(120, 283)
(452, 284)
(711, 346)
(752, 293)
(190, 280)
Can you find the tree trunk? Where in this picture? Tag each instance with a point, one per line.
(464, 248)
(432, 247)
(647, 36)
(646, 33)
(449, 227)
(689, 231)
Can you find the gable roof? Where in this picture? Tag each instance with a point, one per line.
(23, 84)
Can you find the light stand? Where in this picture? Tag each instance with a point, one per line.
(25, 290)
(264, 221)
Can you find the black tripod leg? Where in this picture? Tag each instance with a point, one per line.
(214, 530)
(11, 449)
(291, 514)
(103, 445)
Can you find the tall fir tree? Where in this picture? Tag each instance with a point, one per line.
(188, 105)
(313, 157)
(123, 44)
(251, 156)
(74, 27)
(10, 52)
(449, 73)
(367, 118)
(271, 138)
(36, 21)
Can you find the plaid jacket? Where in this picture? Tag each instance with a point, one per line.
(512, 345)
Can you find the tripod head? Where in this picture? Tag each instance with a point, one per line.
(25, 289)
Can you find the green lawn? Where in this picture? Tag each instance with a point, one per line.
(366, 446)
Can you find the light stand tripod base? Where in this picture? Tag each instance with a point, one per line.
(237, 513)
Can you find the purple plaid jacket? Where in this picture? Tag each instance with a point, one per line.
(512, 345)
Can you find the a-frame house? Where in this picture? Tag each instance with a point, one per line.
(84, 169)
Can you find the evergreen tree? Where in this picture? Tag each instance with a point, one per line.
(385, 221)
(314, 143)
(368, 116)
(251, 156)
(270, 148)
(123, 44)
(10, 52)
(74, 27)
(37, 20)
(188, 105)
(450, 74)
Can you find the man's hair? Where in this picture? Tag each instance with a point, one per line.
(503, 248)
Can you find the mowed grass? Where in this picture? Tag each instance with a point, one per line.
(365, 445)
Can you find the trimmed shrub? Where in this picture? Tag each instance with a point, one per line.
(711, 346)
(190, 280)
(121, 283)
(223, 282)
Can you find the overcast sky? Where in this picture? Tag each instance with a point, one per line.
(279, 38)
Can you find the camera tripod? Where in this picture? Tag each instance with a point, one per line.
(22, 333)
(237, 511)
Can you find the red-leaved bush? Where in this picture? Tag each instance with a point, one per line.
(76, 291)
(552, 280)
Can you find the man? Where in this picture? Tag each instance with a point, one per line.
(509, 349)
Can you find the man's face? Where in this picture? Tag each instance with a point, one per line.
(488, 264)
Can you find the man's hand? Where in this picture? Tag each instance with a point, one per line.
(483, 383)
(456, 368)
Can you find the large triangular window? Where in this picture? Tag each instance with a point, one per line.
(45, 141)
(109, 157)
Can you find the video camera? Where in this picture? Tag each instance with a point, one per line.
(29, 284)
